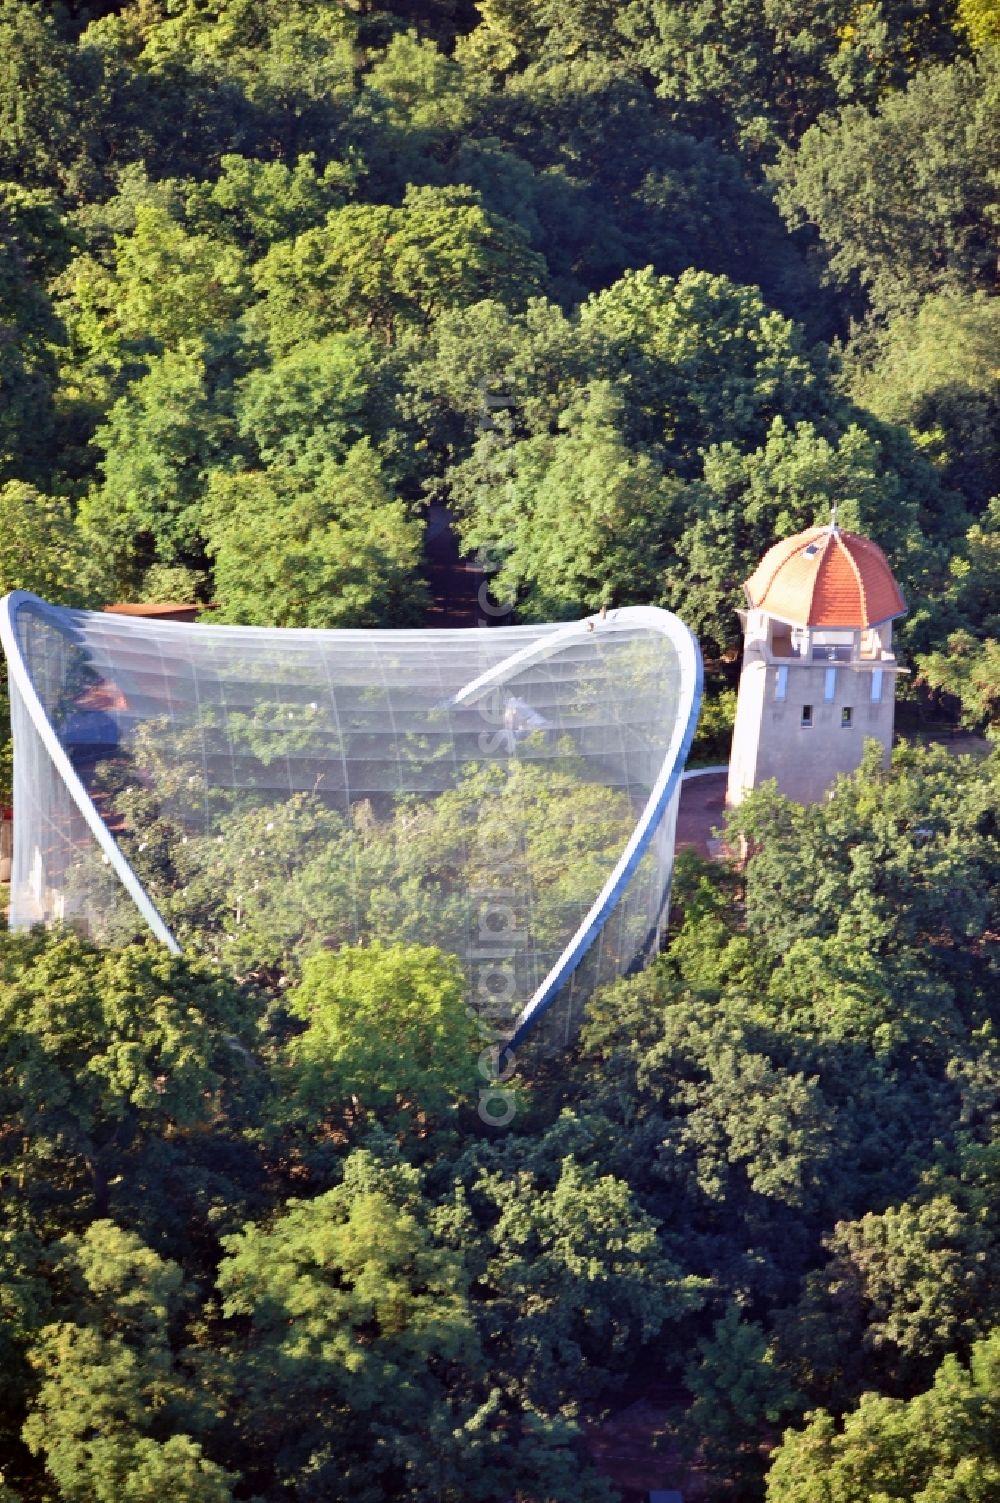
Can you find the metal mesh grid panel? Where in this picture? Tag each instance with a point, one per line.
(508, 794)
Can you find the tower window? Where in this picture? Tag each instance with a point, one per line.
(807, 714)
(829, 684)
(846, 715)
(876, 690)
(781, 683)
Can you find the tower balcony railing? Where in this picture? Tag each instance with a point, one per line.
(803, 648)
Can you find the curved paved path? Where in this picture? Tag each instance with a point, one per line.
(702, 810)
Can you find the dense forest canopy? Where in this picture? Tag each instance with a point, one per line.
(634, 287)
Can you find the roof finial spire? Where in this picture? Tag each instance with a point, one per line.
(833, 517)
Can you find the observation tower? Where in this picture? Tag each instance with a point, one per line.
(508, 795)
(819, 672)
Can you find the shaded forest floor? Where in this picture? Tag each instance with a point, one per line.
(454, 581)
(631, 1449)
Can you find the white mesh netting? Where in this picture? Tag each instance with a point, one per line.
(508, 794)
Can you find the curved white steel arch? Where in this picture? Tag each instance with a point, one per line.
(18, 670)
(667, 782)
(656, 621)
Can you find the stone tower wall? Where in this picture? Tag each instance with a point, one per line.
(771, 740)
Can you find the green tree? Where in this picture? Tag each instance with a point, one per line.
(421, 87)
(109, 1392)
(777, 1147)
(739, 1393)
(108, 1278)
(764, 74)
(531, 365)
(901, 198)
(164, 584)
(574, 482)
(902, 1287)
(102, 1049)
(578, 1281)
(512, 33)
(936, 373)
(25, 1308)
(172, 285)
(897, 860)
(980, 20)
(415, 105)
(969, 669)
(577, 518)
(382, 269)
(388, 1034)
(175, 114)
(165, 287)
(967, 664)
(693, 360)
(255, 204)
(941, 1445)
(39, 108)
(359, 1315)
(42, 550)
(310, 406)
(93, 1407)
(976, 571)
(34, 243)
(291, 64)
(705, 361)
(336, 550)
(160, 443)
(111, 1402)
(808, 1060)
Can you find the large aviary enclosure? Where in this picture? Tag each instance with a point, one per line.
(509, 794)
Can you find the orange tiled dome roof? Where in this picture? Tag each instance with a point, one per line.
(826, 577)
